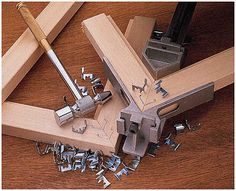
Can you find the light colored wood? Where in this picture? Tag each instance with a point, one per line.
(31, 22)
(39, 124)
(218, 68)
(25, 51)
(103, 35)
(127, 32)
(143, 27)
(110, 43)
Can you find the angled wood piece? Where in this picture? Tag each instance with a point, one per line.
(38, 123)
(218, 69)
(143, 27)
(116, 49)
(16, 63)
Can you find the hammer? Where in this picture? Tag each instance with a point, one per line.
(83, 105)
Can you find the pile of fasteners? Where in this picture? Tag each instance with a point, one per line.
(68, 158)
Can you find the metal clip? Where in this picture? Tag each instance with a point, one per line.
(113, 163)
(152, 149)
(171, 143)
(101, 177)
(81, 130)
(158, 89)
(84, 75)
(141, 89)
(121, 172)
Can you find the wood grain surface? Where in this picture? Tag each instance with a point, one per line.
(205, 158)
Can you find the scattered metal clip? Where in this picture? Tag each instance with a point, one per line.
(158, 89)
(134, 163)
(97, 84)
(171, 143)
(113, 163)
(84, 75)
(83, 89)
(121, 172)
(152, 149)
(46, 150)
(96, 161)
(179, 128)
(101, 177)
(157, 34)
(81, 129)
(141, 89)
(192, 127)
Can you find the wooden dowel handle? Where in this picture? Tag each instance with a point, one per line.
(34, 26)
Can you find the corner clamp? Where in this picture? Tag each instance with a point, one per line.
(142, 127)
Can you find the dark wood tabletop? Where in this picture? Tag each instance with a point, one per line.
(206, 157)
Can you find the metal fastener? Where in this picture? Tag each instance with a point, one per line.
(158, 89)
(171, 143)
(141, 89)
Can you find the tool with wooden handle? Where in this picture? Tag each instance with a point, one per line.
(83, 105)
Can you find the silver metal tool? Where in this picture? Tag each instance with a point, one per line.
(173, 145)
(121, 172)
(83, 105)
(142, 127)
(165, 53)
(101, 177)
(158, 89)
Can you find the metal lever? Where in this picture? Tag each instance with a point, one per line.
(83, 105)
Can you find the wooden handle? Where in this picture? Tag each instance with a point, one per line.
(34, 26)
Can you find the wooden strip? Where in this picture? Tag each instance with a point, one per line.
(110, 43)
(113, 108)
(143, 27)
(25, 51)
(127, 32)
(218, 68)
(39, 124)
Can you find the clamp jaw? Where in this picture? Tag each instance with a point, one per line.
(142, 127)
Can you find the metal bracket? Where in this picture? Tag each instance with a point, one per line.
(139, 127)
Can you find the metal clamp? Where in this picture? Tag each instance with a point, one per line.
(139, 127)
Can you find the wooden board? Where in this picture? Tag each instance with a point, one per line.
(38, 123)
(25, 51)
(212, 144)
(218, 68)
(101, 32)
(117, 50)
(143, 27)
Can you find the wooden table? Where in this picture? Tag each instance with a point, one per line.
(205, 158)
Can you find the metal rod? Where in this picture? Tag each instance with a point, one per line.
(64, 74)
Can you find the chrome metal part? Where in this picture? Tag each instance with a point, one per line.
(121, 172)
(158, 89)
(102, 178)
(83, 89)
(152, 149)
(84, 76)
(97, 85)
(168, 141)
(179, 128)
(81, 129)
(64, 74)
(113, 163)
(141, 89)
(81, 107)
(192, 127)
(134, 163)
